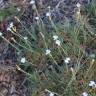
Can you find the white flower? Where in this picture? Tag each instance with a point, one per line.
(32, 2)
(84, 94)
(92, 84)
(78, 5)
(58, 42)
(8, 29)
(49, 7)
(48, 51)
(37, 18)
(48, 14)
(55, 37)
(10, 26)
(51, 94)
(23, 60)
(1, 34)
(25, 38)
(67, 60)
(18, 9)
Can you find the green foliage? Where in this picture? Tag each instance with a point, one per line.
(58, 79)
(90, 11)
(7, 12)
(51, 71)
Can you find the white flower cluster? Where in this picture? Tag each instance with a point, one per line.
(92, 84)
(57, 41)
(10, 26)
